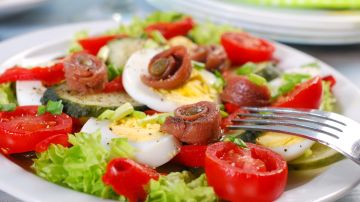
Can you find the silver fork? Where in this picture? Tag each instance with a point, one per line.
(332, 129)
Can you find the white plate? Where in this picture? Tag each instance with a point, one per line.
(46, 44)
(8, 7)
(325, 28)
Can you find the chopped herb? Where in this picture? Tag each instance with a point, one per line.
(8, 107)
(235, 139)
(198, 65)
(41, 110)
(54, 107)
(220, 81)
(246, 69)
(258, 80)
(113, 71)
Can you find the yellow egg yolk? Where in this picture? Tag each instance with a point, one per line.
(273, 139)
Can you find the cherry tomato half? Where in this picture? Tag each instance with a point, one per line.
(21, 130)
(242, 48)
(331, 79)
(171, 29)
(191, 155)
(115, 85)
(305, 95)
(238, 174)
(61, 139)
(92, 45)
(128, 178)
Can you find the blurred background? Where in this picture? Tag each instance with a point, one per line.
(326, 29)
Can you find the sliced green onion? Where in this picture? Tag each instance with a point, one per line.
(223, 114)
(139, 114)
(246, 69)
(158, 37)
(220, 81)
(41, 110)
(258, 80)
(198, 65)
(106, 115)
(54, 107)
(122, 111)
(156, 118)
(8, 107)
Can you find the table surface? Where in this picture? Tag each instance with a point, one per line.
(346, 59)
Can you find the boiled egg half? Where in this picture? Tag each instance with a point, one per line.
(152, 147)
(198, 88)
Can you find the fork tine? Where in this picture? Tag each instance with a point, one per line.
(309, 126)
(301, 132)
(292, 117)
(313, 113)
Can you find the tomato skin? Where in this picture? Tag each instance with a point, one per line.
(128, 178)
(115, 85)
(151, 112)
(92, 45)
(331, 79)
(48, 75)
(171, 29)
(61, 139)
(22, 129)
(227, 121)
(231, 108)
(243, 47)
(245, 184)
(305, 95)
(191, 155)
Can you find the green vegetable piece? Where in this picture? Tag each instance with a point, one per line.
(220, 81)
(290, 81)
(235, 139)
(150, 43)
(328, 100)
(246, 69)
(197, 65)
(8, 107)
(139, 114)
(180, 187)
(75, 46)
(156, 118)
(258, 80)
(158, 37)
(54, 107)
(223, 114)
(41, 110)
(122, 111)
(7, 94)
(106, 115)
(209, 33)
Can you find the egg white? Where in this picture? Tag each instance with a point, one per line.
(136, 66)
(293, 151)
(29, 92)
(153, 153)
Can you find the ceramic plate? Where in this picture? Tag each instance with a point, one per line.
(46, 44)
(8, 7)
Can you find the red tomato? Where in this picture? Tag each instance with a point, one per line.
(330, 79)
(128, 178)
(171, 29)
(92, 45)
(49, 75)
(305, 95)
(227, 121)
(230, 108)
(115, 85)
(61, 139)
(242, 48)
(21, 130)
(151, 112)
(238, 174)
(191, 155)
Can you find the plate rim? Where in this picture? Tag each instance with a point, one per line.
(93, 26)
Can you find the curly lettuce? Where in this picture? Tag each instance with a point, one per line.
(81, 166)
(180, 187)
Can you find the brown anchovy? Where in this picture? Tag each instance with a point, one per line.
(169, 69)
(197, 123)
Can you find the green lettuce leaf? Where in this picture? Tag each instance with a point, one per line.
(75, 46)
(7, 95)
(137, 25)
(289, 81)
(209, 33)
(180, 187)
(81, 166)
(328, 99)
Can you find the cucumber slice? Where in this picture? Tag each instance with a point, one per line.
(89, 105)
(321, 156)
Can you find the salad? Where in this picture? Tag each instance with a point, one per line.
(141, 113)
